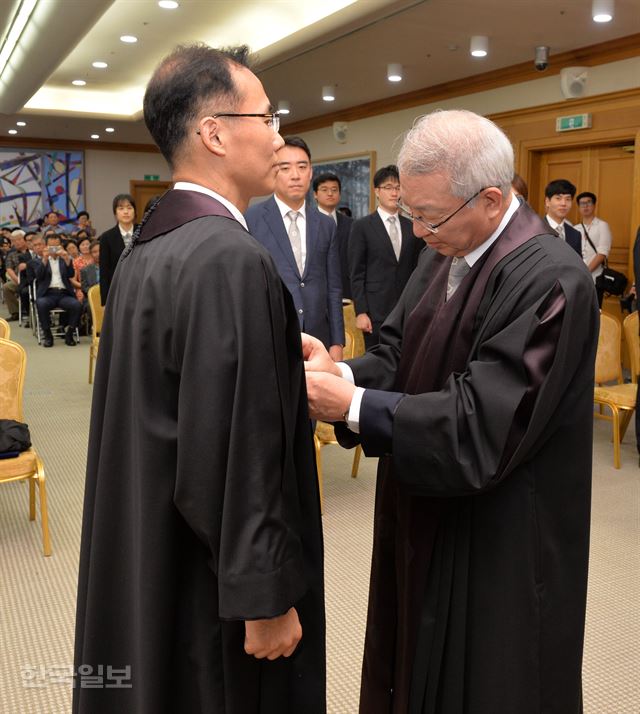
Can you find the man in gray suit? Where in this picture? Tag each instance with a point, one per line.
(303, 245)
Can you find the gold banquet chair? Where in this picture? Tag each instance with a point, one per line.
(630, 329)
(5, 329)
(28, 465)
(325, 434)
(97, 313)
(620, 398)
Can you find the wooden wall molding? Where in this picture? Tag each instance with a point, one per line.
(72, 145)
(602, 53)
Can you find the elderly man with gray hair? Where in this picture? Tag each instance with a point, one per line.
(478, 402)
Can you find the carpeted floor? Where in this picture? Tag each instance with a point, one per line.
(37, 594)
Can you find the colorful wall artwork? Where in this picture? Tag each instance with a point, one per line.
(34, 182)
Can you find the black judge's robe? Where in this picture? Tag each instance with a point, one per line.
(479, 571)
(201, 504)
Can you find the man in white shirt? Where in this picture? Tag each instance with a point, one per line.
(54, 289)
(596, 237)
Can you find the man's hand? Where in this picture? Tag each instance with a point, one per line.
(335, 352)
(273, 638)
(329, 396)
(363, 322)
(316, 357)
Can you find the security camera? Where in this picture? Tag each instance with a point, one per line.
(541, 61)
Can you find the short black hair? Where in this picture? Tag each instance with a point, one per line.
(48, 213)
(48, 236)
(386, 172)
(187, 80)
(587, 194)
(559, 187)
(81, 239)
(323, 178)
(298, 143)
(121, 198)
(82, 213)
(30, 233)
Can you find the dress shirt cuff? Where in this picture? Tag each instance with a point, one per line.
(347, 372)
(353, 417)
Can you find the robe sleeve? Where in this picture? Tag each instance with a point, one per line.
(230, 485)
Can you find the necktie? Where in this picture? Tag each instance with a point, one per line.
(296, 240)
(394, 234)
(459, 268)
(560, 230)
(127, 239)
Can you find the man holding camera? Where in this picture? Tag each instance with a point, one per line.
(54, 290)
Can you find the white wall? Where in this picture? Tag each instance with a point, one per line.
(107, 173)
(383, 133)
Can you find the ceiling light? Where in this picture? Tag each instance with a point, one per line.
(20, 20)
(129, 39)
(394, 72)
(95, 136)
(328, 93)
(78, 82)
(284, 107)
(479, 46)
(168, 4)
(99, 65)
(109, 130)
(13, 131)
(602, 10)
(21, 123)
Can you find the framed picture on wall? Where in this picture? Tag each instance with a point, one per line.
(355, 172)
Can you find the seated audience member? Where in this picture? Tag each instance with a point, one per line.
(83, 223)
(90, 274)
(5, 247)
(558, 196)
(54, 290)
(115, 240)
(83, 259)
(71, 247)
(16, 261)
(596, 237)
(519, 186)
(52, 222)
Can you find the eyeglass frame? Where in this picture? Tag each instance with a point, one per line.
(274, 116)
(433, 227)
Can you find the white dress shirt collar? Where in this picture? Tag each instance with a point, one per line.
(188, 186)
(331, 214)
(284, 209)
(386, 215)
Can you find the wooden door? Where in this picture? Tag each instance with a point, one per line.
(606, 171)
(144, 191)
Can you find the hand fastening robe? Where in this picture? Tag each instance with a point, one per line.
(201, 504)
(479, 572)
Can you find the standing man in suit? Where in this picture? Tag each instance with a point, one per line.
(303, 245)
(382, 255)
(114, 241)
(558, 197)
(326, 191)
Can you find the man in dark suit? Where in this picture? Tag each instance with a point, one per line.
(54, 289)
(558, 197)
(114, 241)
(326, 191)
(382, 255)
(303, 245)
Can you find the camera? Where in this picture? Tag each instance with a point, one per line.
(54, 248)
(541, 60)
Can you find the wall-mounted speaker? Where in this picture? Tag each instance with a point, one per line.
(573, 82)
(340, 131)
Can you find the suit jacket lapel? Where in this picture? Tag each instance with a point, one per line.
(383, 236)
(280, 236)
(313, 227)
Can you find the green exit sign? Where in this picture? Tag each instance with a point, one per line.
(151, 177)
(577, 121)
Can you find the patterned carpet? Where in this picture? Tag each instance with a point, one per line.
(37, 595)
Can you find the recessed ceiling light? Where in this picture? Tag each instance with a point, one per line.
(479, 46)
(284, 107)
(95, 136)
(394, 72)
(168, 4)
(328, 93)
(78, 82)
(130, 39)
(99, 65)
(13, 131)
(110, 130)
(21, 123)
(602, 10)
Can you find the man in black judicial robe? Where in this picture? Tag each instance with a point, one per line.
(201, 559)
(479, 401)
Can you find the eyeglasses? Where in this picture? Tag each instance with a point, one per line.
(273, 119)
(390, 187)
(433, 227)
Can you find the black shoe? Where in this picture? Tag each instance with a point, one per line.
(47, 340)
(69, 339)
(13, 317)
(26, 324)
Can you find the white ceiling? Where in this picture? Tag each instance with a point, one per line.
(297, 51)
